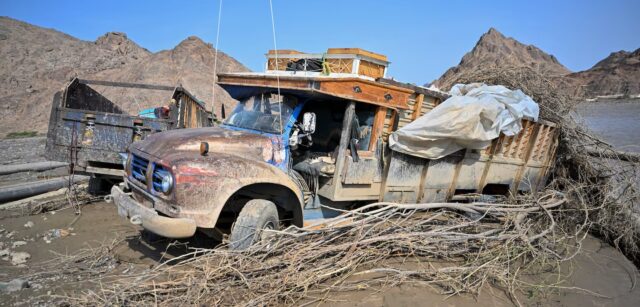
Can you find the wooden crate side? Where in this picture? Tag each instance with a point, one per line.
(340, 65)
(369, 69)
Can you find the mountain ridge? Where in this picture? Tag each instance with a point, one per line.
(495, 50)
(37, 62)
(617, 74)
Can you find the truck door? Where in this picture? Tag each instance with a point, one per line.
(358, 171)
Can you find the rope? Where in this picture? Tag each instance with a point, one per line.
(275, 47)
(215, 61)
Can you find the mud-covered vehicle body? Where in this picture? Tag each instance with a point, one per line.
(301, 142)
(91, 131)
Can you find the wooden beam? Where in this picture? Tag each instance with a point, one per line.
(418, 107)
(378, 126)
(344, 142)
(358, 51)
(530, 146)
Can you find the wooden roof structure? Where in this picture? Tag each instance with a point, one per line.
(339, 73)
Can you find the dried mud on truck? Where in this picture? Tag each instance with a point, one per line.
(309, 140)
(92, 132)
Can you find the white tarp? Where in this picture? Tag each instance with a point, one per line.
(474, 115)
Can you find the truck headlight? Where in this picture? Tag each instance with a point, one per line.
(162, 179)
(167, 183)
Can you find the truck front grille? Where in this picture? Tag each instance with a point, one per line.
(139, 167)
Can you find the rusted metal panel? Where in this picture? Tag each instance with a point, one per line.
(204, 184)
(89, 130)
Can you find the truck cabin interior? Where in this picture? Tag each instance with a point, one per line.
(329, 111)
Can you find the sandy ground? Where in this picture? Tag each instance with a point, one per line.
(599, 269)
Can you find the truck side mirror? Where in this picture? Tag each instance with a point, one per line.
(309, 122)
(223, 114)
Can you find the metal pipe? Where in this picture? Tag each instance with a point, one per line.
(31, 167)
(23, 190)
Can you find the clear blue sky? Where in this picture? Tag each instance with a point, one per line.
(421, 38)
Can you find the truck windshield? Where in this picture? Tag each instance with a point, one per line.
(262, 112)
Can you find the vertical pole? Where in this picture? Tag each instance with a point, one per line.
(344, 142)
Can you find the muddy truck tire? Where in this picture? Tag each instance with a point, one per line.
(256, 215)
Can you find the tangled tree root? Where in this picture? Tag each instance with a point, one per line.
(460, 248)
(597, 174)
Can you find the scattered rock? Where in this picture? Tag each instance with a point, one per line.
(29, 224)
(14, 285)
(59, 233)
(5, 252)
(19, 258)
(56, 233)
(9, 235)
(18, 243)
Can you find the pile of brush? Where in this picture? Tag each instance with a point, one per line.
(457, 248)
(603, 178)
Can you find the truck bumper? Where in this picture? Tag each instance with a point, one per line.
(149, 219)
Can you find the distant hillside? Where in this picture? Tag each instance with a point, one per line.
(36, 62)
(494, 50)
(190, 63)
(617, 74)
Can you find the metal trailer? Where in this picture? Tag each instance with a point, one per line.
(90, 131)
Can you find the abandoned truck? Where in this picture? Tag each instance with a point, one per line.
(91, 132)
(308, 136)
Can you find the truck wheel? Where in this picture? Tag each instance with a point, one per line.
(256, 215)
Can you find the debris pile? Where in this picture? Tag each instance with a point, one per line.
(607, 180)
(456, 247)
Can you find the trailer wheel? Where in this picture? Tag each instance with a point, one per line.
(256, 215)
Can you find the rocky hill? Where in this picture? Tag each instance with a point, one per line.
(494, 50)
(617, 74)
(36, 62)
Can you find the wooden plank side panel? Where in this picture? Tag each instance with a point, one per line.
(263, 81)
(340, 65)
(368, 92)
(369, 69)
(389, 123)
(357, 51)
(417, 108)
(346, 88)
(428, 104)
(282, 63)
